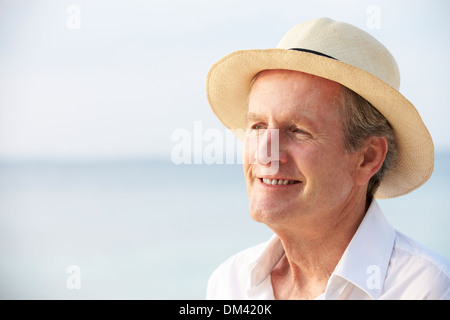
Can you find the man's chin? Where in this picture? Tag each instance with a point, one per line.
(269, 216)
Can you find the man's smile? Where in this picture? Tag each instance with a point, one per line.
(278, 182)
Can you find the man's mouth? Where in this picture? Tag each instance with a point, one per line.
(279, 182)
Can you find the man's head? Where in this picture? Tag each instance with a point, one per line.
(326, 169)
(351, 57)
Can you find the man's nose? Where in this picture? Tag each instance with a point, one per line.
(268, 151)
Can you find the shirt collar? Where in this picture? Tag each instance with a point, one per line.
(266, 260)
(366, 259)
(364, 263)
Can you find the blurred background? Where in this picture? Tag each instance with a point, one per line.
(91, 93)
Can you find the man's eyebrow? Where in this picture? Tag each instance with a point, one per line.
(297, 119)
(251, 116)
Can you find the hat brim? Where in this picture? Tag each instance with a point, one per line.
(229, 82)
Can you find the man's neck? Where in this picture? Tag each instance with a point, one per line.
(311, 257)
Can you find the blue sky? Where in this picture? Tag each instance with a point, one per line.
(135, 71)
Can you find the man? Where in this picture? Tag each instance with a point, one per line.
(326, 132)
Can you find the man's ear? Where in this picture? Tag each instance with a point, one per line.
(372, 156)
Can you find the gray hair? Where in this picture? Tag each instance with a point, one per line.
(361, 121)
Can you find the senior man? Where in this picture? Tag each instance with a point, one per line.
(326, 133)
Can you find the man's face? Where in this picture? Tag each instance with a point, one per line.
(304, 110)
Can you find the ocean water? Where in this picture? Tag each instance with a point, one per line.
(150, 230)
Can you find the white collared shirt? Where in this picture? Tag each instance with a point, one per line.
(378, 263)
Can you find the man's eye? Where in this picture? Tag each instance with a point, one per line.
(300, 133)
(258, 126)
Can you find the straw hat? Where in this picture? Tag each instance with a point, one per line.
(345, 54)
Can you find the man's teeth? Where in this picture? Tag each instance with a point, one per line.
(278, 181)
